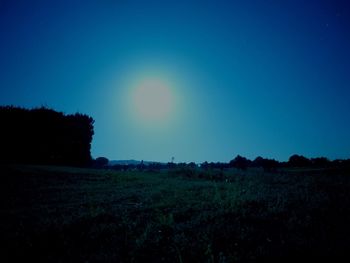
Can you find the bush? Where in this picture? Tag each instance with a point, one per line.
(100, 162)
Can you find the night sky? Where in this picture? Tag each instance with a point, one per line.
(269, 78)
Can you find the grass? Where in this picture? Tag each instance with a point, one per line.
(63, 214)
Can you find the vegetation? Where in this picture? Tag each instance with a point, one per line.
(183, 214)
(241, 211)
(45, 136)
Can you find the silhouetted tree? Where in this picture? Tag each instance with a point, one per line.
(320, 162)
(258, 162)
(298, 161)
(42, 135)
(266, 164)
(240, 162)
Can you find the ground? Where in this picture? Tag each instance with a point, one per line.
(64, 214)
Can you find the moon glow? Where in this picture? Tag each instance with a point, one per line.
(153, 101)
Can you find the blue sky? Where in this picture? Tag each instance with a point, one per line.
(267, 78)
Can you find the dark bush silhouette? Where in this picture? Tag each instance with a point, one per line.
(298, 161)
(213, 165)
(240, 162)
(320, 162)
(266, 164)
(100, 162)
(45, 136)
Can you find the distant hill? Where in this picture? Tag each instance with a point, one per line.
(128, 162)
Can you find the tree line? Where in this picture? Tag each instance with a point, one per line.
(294, 161)
(45, 136)
(239, 162)
(267, 164)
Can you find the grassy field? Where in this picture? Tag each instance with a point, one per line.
(61, 214)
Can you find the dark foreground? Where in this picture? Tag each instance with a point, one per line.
(55, 214)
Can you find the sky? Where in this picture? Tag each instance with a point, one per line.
(257, 78)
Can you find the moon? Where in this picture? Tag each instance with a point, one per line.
(153, 101)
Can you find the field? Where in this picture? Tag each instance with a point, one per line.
(62, 214)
